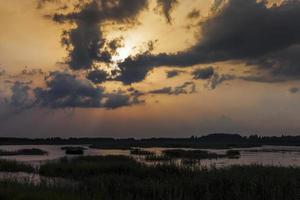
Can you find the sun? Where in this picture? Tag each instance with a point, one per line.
(124, 52)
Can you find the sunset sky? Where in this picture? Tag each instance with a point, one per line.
(149, 68)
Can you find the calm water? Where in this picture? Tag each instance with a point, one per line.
(266, 155)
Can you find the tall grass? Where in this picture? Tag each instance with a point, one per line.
(114, 178)
(190, 154)
(140, 152)
(13, 190)
(15, 166)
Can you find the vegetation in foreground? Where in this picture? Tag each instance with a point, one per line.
(233, 154)
(140, 152)
(157, 158)
(14, 166)
(13, 190)
(120, 177)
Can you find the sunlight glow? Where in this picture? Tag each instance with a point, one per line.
(124, 52)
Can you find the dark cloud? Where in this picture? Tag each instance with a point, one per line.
(217, 4)
(294, 90)
(185, 88)
(218, 79)
(97, 76)
(20, 94)
(166, 8)
(2, 72)
(248, 29)
(42, 3)
(284, 62)
(115, 44)
(32, 72)
(85, 42)
(194, 14)
(264, 78)
(165, 90)
(134, 69)
(64, 90)
(203, 73)
(173, 73)
(242, 30)
(117, 100)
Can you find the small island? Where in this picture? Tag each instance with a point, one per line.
(24, 152)
(69, 150)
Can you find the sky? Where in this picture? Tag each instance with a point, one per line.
(149, 68)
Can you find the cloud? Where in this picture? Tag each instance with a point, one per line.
(218, 79)
(32, 72)
(64, 90)
(97, 76)
(85, 42)
(264, 78)
(167, 6)
(217, 4)
(185, 88)
(134, 69)
(2, 72)
(117, 100)
(247, 31)
(165, 90)
(173, 73)
(203, 73)
(20, 95)
(42, 3)
(294, 90)
(284, 62)
(194, 14)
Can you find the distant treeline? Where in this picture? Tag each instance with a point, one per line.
(220, 140)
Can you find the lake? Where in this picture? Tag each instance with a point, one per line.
(265, 155)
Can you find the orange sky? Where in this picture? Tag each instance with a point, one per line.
(28, 38)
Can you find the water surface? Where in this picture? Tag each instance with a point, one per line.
(265, 155)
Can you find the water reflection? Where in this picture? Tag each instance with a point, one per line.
(266, 155)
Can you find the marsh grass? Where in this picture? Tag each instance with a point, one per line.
(89, 166)
(190, 154)
(199, 154)
(123, 178)
(15, 166)
(157, 158)
(140, 152)
(233, 154)
(119, 177)
(14, 190)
